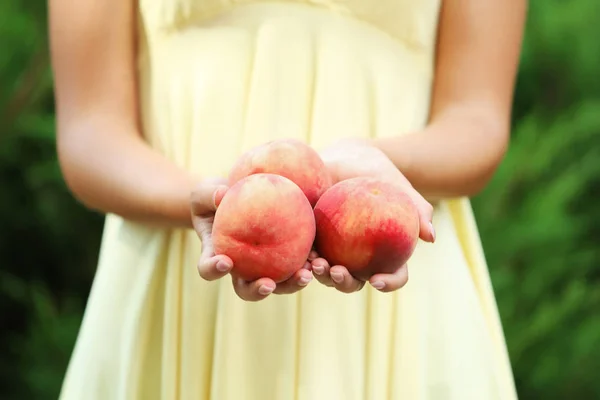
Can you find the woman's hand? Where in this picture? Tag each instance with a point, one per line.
(354, 158)
(204, 202)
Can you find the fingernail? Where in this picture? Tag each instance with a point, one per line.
(265, 290)
(337, 277)
(378, 285)
(432, 231)
(218, 195)
(223, 266)
(318, 269)
(304, 280)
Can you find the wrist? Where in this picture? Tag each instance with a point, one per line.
(173, 208)
(354, 141)
(398, 149)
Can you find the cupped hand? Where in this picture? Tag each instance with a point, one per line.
(353, 158)
(204, 201)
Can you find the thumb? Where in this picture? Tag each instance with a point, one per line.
(425, 211)
(206, 197)
(427, 232)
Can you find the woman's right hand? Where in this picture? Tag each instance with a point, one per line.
(204, 202)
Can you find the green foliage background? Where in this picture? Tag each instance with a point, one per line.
(539, 217)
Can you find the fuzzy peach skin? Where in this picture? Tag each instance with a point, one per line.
(266, 225)
(290, 158)
(367, 225)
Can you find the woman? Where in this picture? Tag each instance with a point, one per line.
(158, 98)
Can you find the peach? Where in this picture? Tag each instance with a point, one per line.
(368, 225)
(290, 158)
(266, 225)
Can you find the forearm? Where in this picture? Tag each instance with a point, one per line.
(119, 173)
(477, 58)
(454, 156)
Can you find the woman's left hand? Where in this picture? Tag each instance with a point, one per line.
(354, 158)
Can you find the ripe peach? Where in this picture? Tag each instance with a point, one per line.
(266, 225)
(367, 225)
(290, 158)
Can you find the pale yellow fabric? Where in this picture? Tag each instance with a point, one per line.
(218, 77)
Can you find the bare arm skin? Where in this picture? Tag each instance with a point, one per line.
(104, 159)
(477, 58)
(109, 167)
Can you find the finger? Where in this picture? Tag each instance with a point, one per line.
(214, 267)
(320, 269)
(211, 266)
(390, 282)
(255, 290)
(343, 281)
(203, 227)
(205, 198)
(313, 255)
(298, 281)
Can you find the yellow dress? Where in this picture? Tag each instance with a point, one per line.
(218, 77)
